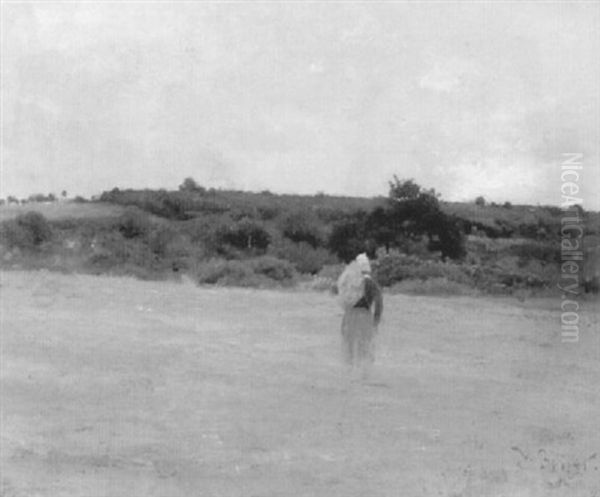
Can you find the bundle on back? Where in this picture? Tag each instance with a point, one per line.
(350, 285)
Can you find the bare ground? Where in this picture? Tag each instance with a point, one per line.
(115, 387)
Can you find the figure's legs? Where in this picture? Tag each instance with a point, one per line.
(366, 346)
(347, 342)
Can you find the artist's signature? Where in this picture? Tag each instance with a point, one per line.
(558, 469)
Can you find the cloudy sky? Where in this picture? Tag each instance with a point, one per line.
(471, 99)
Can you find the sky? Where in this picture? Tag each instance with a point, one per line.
(301, 97)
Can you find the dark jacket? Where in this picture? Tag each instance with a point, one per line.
(372, 296)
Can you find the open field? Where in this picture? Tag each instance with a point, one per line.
(113, 387)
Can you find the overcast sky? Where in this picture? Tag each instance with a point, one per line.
(470, 99)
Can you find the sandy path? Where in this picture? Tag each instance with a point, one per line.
(115, 387)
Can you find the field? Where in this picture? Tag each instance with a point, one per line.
(113, 387)
(61, 210)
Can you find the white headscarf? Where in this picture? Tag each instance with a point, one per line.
(363, 263)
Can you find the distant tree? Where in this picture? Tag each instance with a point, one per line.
(507, 205)
(64, 194)
(413, 212)
(189, 185)
(51, 197)
(12, 200)
(348, 237)
(480, 201)
(403, 189)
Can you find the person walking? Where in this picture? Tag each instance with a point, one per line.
(363, 307)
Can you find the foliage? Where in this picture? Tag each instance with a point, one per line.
(302, 226)
(133, 223)
(305, 258)
(27, 231)
(262, 271)
(246, 234)
(348, 237)
(189, 185)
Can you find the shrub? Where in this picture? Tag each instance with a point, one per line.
(303, 256)
(245, 234)
(219, 271)
(302, 227)
(393, 268)
(27, 231)
(160, 237)
(540, 251)
(133, 223)
(273, 268)
(259, 272)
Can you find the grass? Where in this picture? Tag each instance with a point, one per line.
(63, 210)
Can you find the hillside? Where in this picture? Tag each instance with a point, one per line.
(264, 239)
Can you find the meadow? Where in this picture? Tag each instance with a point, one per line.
(118, 387)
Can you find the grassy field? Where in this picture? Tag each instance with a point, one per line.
(62, 210)
(113, 387)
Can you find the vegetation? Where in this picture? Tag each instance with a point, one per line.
(222, 237)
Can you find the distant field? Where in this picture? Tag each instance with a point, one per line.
(114, 387)
(62, 210)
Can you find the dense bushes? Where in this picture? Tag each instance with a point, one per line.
(29, 231)
(133, 223)
(302, 226)
(261, 238)
(393, 268)
(246, 234)
(305, 258)
(260, 271)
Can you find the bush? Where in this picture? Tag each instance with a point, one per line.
(259, 272)
(302, 227)
(159, 239)
(133, 223)
(273, 268)
(245, 234)
(27, 231)
(304, 257)
(222, 272)
(393, 268)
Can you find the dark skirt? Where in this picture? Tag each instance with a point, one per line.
(358, 337)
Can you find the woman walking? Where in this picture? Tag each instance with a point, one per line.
(363, 305)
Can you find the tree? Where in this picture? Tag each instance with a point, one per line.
(413, 213)
(349, 237)
(480, 201)
(189, 185)
(403, 190)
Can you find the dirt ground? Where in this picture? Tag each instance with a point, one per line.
(113, 387)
